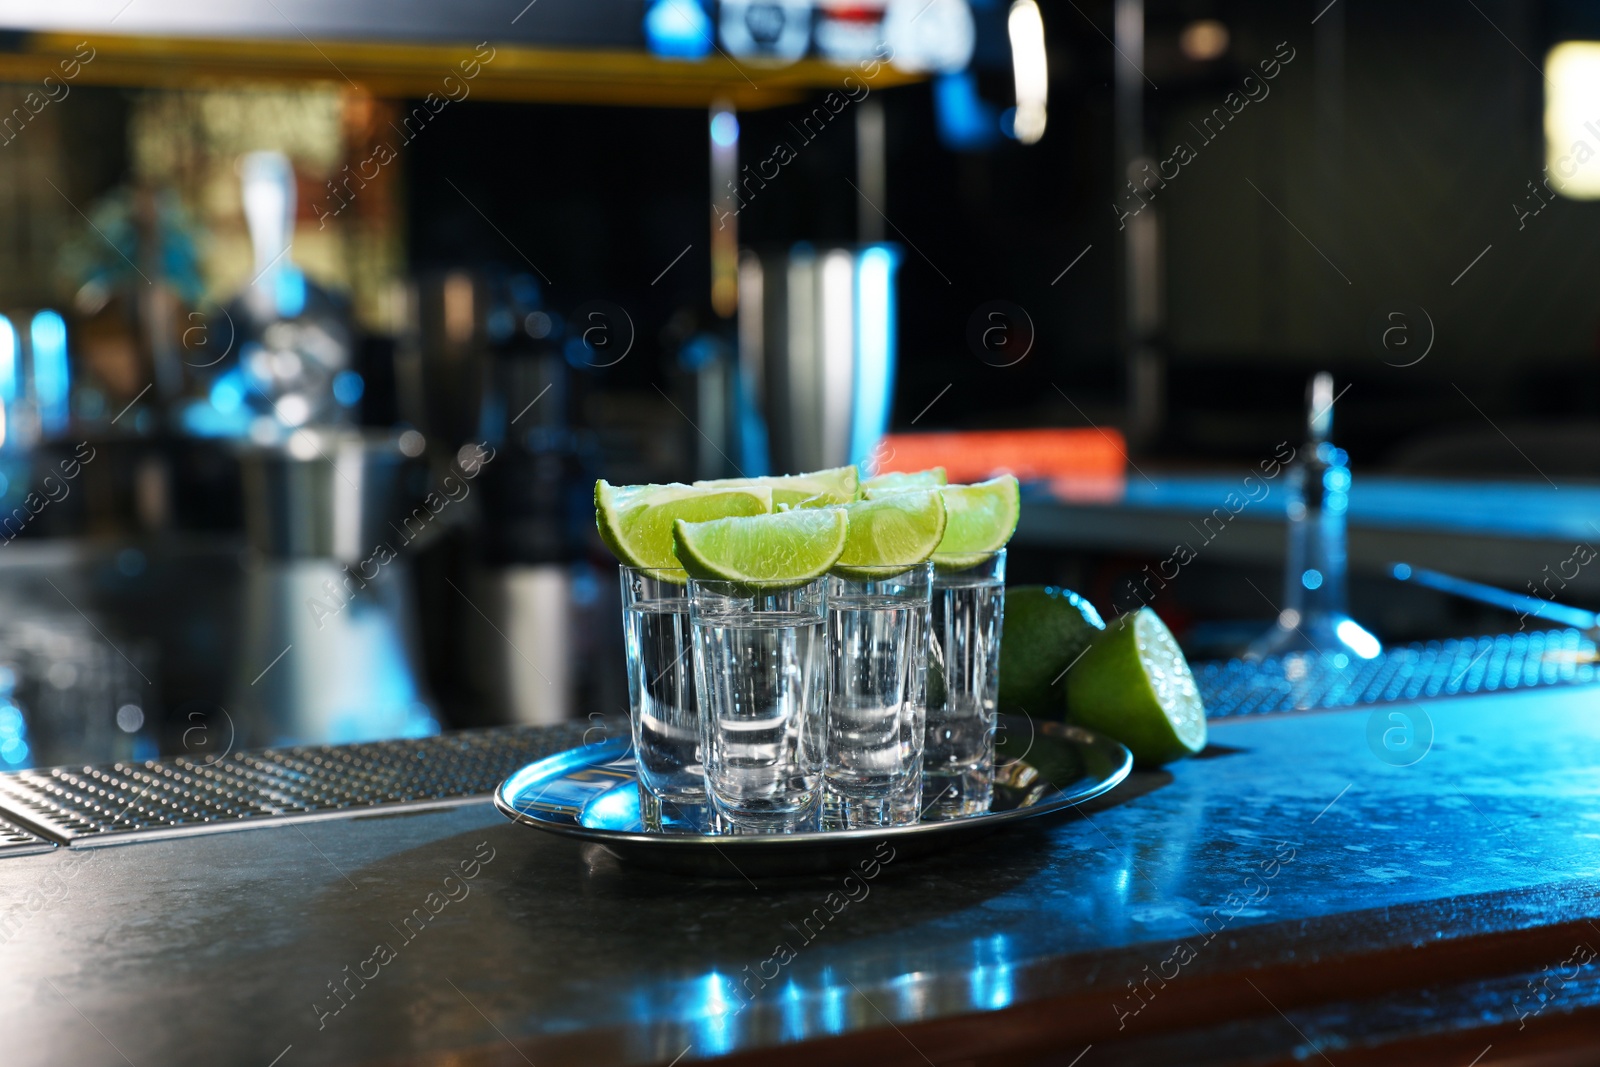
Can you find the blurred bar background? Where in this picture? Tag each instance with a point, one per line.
(319, 322)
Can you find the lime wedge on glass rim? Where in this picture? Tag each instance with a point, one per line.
(905, 481)
(635, 521)
(762, 553)
(890, 535)
(1133, 684)
(819, 489)
(982, 518)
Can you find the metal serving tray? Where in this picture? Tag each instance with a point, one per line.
(591, 793)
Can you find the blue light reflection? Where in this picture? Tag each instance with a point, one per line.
(678, 29)
(8, 361)
(52, 382)
(289, 291)
(875, 349)
(714, 1019)
(991, 978)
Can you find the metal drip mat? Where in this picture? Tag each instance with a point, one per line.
(117, 802)
(15, 841)
(1410, 672)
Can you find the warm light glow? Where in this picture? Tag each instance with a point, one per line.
(1571, 123)
(1203, 40)
(1030, 69)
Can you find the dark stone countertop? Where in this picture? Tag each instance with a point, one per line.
(1288, 851)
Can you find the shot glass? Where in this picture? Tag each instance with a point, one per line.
(762, 675)
(877, 703)
(663, 705)
(968, 610)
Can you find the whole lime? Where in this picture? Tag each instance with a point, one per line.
(1046, 630)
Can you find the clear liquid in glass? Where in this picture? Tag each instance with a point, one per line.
(963, 690)
(664, 708)
(763, 688)
(878, 636)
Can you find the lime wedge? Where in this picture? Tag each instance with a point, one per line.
(1133, 684)
(765, 553)
(819, 489)
(890, 535)
(635, 521)
(900, 481)
(982, 519)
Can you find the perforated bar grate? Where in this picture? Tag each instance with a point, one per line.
(1409, 672)
(15, 841)
(158, 798)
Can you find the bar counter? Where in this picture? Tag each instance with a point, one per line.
(1500, 532)
(1291, 896)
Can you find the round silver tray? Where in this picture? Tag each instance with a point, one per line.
(591, 793)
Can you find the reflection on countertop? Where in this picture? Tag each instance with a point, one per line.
(1238, 860)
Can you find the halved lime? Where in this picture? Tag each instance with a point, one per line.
(635, 521)
(1133, 684)
(819, 489)
(903, 481)
(890, 535)
(982, 519)
(764, 553)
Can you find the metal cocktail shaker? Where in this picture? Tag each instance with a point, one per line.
(329, 651)
(817, 350)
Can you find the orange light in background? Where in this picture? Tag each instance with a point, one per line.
(1089, 456)
(1203, 40)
